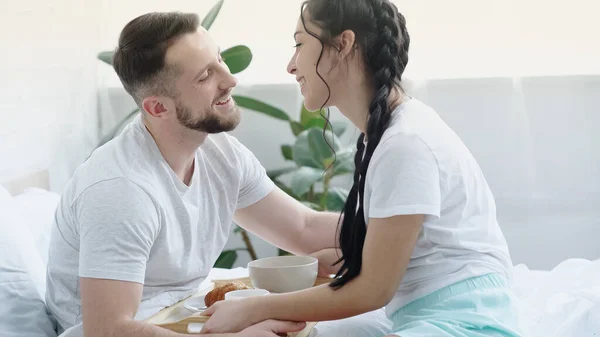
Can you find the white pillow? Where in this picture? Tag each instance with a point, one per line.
(4, 195)
(22, 310)
(37, 207)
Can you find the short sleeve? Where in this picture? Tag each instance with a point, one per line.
(403, 178)
(117, 222)
(254, 182)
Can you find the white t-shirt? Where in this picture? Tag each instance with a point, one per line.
(421, 166)
(126, 216)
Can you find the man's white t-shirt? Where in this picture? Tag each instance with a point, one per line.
(126, 216)
(421, 166)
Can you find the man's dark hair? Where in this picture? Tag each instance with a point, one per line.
(139, 59)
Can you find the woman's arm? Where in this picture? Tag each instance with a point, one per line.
(388, 247)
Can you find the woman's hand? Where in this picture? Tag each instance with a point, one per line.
(327, 257)
(271, 328)
(236, 315)
(229, 316)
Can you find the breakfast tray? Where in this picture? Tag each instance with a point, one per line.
(178, 319)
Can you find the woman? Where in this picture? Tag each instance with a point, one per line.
(433, 253)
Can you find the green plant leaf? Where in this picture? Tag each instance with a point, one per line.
(339, 127)
(311, 149)
(226, 259)
(317, 122)
(238, 229)
(306, 116)
(296, 127)
(312, 205)
(287, 152)
(258, 106)
(336, 198)
(106, 57)
(344, 162)
(212, 15)
(303, 178)
(283, 252)
(273, 174)
(237, 58)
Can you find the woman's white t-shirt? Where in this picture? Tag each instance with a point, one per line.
(421, 166)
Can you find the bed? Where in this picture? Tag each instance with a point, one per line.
(563, 301)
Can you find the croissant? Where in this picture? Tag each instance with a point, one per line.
(218, 294)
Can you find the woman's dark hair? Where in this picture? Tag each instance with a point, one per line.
(381, 36)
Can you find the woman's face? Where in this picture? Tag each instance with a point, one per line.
(303, 65)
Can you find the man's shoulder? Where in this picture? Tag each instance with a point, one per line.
(108, 189)
(118, 166)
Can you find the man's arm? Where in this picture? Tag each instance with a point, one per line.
(286, 223)
(109, 308)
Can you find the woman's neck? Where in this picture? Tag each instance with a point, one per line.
(357, 100)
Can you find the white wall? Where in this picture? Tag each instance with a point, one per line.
(50, 78)
(450, 39)
(47, 81)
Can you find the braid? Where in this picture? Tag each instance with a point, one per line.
(403, 55)
(385, 65)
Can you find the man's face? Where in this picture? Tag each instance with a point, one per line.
(203, 85)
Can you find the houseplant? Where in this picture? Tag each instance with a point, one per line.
(315, 158)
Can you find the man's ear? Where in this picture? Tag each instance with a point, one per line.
(345, 43)
(155, 106)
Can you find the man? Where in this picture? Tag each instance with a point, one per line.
(143, 220)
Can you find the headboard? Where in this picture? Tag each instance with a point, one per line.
(39, 179)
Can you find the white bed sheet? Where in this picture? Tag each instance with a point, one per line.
(563, 302)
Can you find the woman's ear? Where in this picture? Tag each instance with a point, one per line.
(346, 42)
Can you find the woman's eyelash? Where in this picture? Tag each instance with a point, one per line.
(297, 45)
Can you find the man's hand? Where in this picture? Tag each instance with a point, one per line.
(271, 328)
(327, 257)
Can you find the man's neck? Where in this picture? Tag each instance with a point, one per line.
(178, 147)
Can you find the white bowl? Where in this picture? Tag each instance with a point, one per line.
(282, 274)
(243, 293)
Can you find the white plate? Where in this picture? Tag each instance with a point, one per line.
(195, 304)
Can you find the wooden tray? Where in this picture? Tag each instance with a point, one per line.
(177, 319)
(246, 280)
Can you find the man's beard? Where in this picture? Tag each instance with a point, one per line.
(212, 122)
